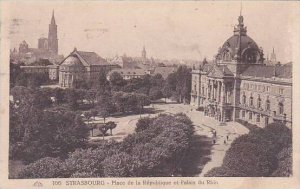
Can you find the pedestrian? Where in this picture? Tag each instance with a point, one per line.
(224, 141)
(214, 141)
(227, 137)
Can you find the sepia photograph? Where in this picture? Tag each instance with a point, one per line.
(153, 89)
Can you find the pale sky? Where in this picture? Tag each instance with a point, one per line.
(182, 30)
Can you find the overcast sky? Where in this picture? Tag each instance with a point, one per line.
(183, 30)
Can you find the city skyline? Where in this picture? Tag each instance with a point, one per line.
(180, 31)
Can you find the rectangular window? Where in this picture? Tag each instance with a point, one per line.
(280, 91)
(250, 115)
(268, 89)
(243, 113)
(258, 118)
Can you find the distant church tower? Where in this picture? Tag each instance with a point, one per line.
(144, 54)
(273, 57)
(52, 36)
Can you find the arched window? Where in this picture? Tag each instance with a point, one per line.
(251, 101)
(280, 108)
(268, 105)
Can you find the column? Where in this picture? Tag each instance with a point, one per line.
(217, 96)
(219, 91)
(222, 93)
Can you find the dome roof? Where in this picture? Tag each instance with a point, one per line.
(240, 47)
(232, 44)
(72, 61)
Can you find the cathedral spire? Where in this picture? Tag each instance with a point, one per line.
(52, 35)
(53, 18)
(144, 53)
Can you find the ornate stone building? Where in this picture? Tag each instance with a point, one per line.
(81, 65)
(239, 85)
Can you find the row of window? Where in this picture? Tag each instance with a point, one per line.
(251, 115)
(263, 88)
(259, 104)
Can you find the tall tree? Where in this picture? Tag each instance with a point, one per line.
(116, 81)
(111, 125)
(183, 85)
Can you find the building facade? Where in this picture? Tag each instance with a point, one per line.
(79, 66)
(239, 85)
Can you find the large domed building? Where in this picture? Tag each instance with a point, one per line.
(81, 66)
(238, 85)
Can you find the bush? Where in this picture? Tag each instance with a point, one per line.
(44, 168)
(143, 124)
(156, 150)
(262, 152)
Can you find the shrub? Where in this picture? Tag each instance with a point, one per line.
(44, 168)
(258, 154)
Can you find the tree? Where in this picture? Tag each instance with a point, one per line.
(91, 95)
(111, 125)
(15, 71)
(116, 81)
(259, 153)
(104, 105)
(101, 84)
(94, 113)
(183, 84)
(143, 123)
(167, 92)
(285, 163)
(157, 80)
(89, 162)
(143, 100)
(59, 96)
(120, 165)
(88, 116)
(72, 98)
(171, 81)
(155, 93)
(103, 129)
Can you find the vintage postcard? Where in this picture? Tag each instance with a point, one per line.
(157, 94)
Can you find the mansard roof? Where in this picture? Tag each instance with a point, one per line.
(91, 58)
(220, 71)
(283, 71)
(87, 58)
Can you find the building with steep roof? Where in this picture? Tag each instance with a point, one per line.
(239, 85)
(81, 65)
